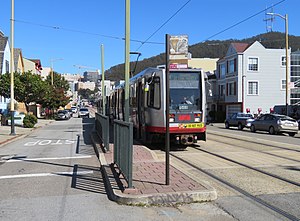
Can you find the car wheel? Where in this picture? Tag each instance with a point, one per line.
(226, 125)
(252, 128)
(240, 126)
(271, 130)
(292, 134)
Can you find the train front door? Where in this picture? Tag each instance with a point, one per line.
(141, 112)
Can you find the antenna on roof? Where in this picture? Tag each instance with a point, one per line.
(269, 19)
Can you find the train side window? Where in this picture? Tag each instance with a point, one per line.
(153, 97)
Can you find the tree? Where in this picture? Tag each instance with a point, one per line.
(85, 93)
(58, 81)
(28, 87)
(54, 98)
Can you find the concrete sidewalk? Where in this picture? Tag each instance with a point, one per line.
(5, 131)
(149, 186)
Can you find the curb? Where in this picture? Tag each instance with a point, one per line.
(168, 198)
(115, 193)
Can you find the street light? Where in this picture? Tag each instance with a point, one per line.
(51, 61)
(286, 58)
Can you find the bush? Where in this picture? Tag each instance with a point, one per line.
(29, 120)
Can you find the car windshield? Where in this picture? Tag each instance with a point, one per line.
(84, 109)
(61, 111)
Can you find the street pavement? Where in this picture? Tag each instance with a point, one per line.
(149, 181)
(21, 132)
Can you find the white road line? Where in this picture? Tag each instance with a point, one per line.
(43, 159)
(43, 174)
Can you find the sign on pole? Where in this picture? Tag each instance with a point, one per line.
(178, 52)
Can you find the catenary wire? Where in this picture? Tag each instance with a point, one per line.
(147, 40)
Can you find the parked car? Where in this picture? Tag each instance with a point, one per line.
(70, 112)
(238, 120)
(274, 124)
(18, 119)
(74, 109)
(83, 112)
(63, 115)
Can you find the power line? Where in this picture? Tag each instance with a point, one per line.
(82, 32)
(172, 16)
(147, 40)
(240, 22)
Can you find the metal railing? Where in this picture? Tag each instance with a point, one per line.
(102, 128)
(123, 141)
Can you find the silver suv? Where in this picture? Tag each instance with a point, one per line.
(84, 112)
(238, 120)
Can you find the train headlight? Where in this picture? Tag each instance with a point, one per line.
(197, 117)
(171, 118)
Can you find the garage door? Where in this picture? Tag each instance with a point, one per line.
(230, 109)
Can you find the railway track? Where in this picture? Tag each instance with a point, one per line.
(270, 206)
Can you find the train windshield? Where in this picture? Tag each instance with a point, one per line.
(185, 91)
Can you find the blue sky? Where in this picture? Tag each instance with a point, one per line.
(82, 26)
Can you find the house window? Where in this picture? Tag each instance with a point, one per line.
(232, 66)
(252, 88)
(222, 90)
(222, 70)
(252, 64)
(232, 88)
(7, 66)
(283, 84)
(283, 61)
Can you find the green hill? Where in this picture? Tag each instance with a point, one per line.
(209, 49)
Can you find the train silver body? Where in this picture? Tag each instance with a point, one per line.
(147, 101)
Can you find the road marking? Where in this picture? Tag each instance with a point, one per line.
(49, 158)
(44, 174)
(49, 142)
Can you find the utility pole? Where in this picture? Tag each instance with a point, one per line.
(285, 18)
(11, 66)
(127, 54)
(102, 80)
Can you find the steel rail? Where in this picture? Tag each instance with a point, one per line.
(245, 193)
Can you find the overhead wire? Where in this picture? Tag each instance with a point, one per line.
(240, 22)
(158, 29)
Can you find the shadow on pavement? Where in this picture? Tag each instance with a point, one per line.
(88, 179)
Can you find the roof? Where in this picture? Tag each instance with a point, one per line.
(240, 47)
(38, 64)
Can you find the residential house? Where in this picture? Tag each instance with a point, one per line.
(33, 65)
(4, 65)
(295, 77)
(18, 60)
(250, 78)
(207, 64)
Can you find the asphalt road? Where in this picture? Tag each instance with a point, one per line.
(53, 174)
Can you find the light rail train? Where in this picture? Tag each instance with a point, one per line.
(147, 101)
